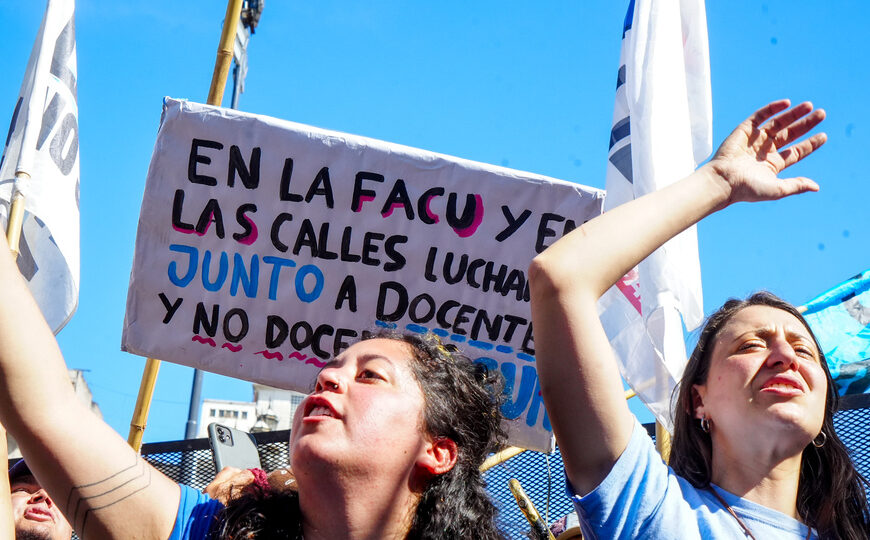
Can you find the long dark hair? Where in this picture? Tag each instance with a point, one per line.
(462, 402)
(831, 493)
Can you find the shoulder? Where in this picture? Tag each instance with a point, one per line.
(642, 497)
(197, 512)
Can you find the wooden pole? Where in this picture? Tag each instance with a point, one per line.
(224, 53)
(16, 217)
(143, 403)
(500, 457)
(215, 96)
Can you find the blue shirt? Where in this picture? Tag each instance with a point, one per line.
(197, 513)
(642, 497)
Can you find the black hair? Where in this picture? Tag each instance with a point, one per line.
(462, 401)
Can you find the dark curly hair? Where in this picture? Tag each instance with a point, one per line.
(462, 401)
(831, 493)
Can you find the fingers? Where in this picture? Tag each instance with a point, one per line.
(799, 151)
(228, 481)
(794, 124)
(763, 114)
(793, 186)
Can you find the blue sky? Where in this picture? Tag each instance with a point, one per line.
(517, 84)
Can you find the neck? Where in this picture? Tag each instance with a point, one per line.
(758, 472)
(354, 506)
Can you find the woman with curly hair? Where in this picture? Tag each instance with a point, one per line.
(387, 445)
(754, 451)
(458, 411)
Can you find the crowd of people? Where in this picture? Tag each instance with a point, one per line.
(390, 441)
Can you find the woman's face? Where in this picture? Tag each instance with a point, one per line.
(764, 378)
(366, 411)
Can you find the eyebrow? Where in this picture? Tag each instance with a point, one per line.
(768, 331)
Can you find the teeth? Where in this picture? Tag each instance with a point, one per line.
(320, 411)
(782, 386)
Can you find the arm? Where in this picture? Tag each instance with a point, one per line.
(580, 381)
(103, 487)
(7, 523)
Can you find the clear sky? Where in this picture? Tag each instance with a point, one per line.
(520, 84)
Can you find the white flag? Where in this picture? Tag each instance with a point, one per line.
(662, 130)
(43, 142)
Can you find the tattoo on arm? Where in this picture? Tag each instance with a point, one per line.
(87, 498)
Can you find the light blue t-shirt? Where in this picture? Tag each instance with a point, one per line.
(642, 497)
(197, 513)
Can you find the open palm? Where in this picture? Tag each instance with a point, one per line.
(750, 159)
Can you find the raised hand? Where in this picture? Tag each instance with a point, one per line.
(749, 161)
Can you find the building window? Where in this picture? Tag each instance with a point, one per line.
(244, 415)
(212, 413)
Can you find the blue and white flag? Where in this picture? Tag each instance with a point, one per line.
(43, 144)
(840, 319)
(662, 130)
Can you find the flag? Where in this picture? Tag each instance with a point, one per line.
(662, 130)
(43, 142)
(840, 319)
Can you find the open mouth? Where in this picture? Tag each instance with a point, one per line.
(318, 407)
(784, 384)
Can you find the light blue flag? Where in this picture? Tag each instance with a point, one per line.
(840, 318)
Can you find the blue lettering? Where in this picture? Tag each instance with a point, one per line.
(222, 271)
(314, 294)
(511, 408)
(193, 260)
(248, 279)
(277, 264)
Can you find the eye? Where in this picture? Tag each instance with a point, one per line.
(805, 351)
(368, 374)
(751, 345)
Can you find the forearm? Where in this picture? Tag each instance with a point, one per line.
(590, 259)
(102, 486)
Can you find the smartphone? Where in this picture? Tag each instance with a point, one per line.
(232, 448)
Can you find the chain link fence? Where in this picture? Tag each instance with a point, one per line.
(541, 475)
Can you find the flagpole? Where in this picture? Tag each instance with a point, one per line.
(215, 96)
(16, 216)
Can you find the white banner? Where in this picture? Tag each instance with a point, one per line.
(43, 142)
(265, 247)
(662, 130)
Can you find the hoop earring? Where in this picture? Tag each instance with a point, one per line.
(705, 425)
(824, 437)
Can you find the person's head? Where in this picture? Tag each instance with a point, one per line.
(411, 412)
(758, 366)
(35, 515)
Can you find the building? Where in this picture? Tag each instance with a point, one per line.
(271, 410)
(83, 393)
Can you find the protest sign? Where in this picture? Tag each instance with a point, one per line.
(266, 247)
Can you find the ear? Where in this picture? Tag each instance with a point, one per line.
(439, 456)
(699, 392)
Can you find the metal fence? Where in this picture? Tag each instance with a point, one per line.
(541, 475)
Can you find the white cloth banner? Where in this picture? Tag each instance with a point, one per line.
(43, 142)
(662, 130)
(265, 247)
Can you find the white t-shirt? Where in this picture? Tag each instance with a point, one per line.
(642, 497)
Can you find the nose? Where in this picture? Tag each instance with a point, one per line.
(41, 496)
(329, 380)
(781, 354)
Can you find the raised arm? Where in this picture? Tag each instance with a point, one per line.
(580, 381)
(102, 486)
